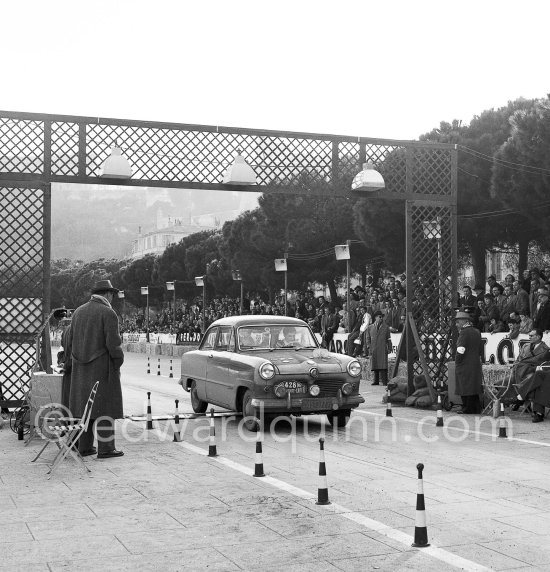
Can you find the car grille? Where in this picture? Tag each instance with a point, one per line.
(329, 388)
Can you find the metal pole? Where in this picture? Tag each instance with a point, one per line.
(204, 306)
(242, 297)
(286, 285)
(147, 327)
(174, 303)
(348, 310)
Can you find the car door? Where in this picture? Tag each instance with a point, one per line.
(198, 367)
(220, 386)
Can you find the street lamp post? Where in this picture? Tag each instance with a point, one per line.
(237, 277)
(201, 281)
(281, 266)
(172, 286)
(121, 296)
(145, 292)
(342, 252)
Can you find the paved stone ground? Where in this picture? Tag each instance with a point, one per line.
(167, 506)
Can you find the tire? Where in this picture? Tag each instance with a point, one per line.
(339, 419)
(198, 405)
(251, 422)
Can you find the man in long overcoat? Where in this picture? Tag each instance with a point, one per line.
(378, 342)
(469, 353)
(97, 355)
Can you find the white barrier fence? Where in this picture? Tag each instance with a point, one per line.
(497, 348)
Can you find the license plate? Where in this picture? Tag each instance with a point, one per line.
(294, 386)
(316, 404)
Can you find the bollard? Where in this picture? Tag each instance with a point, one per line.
(171, 372)
(177, 430)
(420, 529)
(439, 422)
(322, 492)
(149, 415)
(148, 365)
(388, 403)
(502, 422)
(212, 452)
(158, 370)
(259, 465)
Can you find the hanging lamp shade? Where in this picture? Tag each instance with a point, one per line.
(116, 166)
(239, 173)
(369, 179)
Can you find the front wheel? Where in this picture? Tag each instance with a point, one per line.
(198, 405)
(339, 419)
(250, 419)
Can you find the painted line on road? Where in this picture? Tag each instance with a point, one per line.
(471, 431)
(374, 525)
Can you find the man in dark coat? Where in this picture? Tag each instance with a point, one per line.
(541, 316)
(378, 342)
(97, 355)
(469, 352)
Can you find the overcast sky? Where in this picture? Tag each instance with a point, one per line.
(389, 69)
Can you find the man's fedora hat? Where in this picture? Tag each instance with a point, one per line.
(103, 286)
(462, 316)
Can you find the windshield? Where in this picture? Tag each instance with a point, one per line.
(275, 337)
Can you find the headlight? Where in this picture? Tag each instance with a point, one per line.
(267, 371)
(347, 388)
(354, 368)
(314, 390)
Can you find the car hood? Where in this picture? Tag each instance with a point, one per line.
(291, 360)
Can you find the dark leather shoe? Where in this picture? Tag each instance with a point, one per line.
(537, 418)
(89, 452)
(517, 405)
(109, 454)
(375, 383)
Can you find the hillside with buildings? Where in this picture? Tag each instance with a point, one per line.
(118, 222)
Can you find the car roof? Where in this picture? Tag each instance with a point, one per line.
(264, 320)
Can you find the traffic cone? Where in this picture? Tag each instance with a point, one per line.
(177, 430)
(149, 415)
(388, 403)
(259, 466)
(439, 422)
(322, 492)
(148, 365)
(212, 452)
(171, 372)
(502, 422)
(158, 370)
(420, 529)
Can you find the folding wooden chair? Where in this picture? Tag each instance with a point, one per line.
(495, 389)
(65, 433)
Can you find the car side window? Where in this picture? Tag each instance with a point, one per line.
(209, 339)
(224, 338)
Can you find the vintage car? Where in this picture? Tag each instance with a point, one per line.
(270, 365)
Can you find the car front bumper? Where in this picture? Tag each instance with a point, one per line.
(306, 404)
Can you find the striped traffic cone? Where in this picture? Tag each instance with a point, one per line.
(177, 430)
(212, 452)
(148, 365)
(420, 529)
(439, 422)
(259, 465)
(502, 422)
(322, 492)
(149, 415)
(171, 372)
(388, 403)
(158, 369)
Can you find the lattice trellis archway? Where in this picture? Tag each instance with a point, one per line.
(37, 150)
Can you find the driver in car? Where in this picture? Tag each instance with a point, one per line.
(288, 338)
